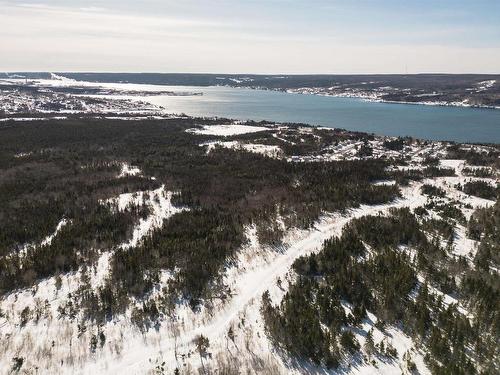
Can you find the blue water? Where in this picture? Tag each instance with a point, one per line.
(427, 122)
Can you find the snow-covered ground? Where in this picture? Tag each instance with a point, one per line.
(227, 130)
(448, 184)
(59, 346)
(257, 270)
(46, 241)
(58, 81)
(485, 85)
(266, 150)
(158, 200)
(252, 278)
(46, 342)
(377, 94)
(128, 170)
(47, 103)
(352, 149)
(61, 95)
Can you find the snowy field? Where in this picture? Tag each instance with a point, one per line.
(227, 130)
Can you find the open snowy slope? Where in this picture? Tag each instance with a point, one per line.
(248, 281)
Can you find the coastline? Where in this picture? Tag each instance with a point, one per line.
(369, 97)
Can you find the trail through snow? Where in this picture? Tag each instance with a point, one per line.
(160, 202)
(46, 241)
(248, 287)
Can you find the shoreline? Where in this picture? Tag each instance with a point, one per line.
(371, 98)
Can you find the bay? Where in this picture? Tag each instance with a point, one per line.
(459, 124)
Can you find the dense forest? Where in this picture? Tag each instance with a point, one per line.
(66, 169)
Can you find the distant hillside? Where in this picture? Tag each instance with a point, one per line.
(481, 90)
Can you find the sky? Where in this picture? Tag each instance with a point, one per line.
(251, 36)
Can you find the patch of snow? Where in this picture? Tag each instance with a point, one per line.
(62, 78)
(462, 245)
(33, 118)
(385, 183)
(454, 164)
(284, 139)
(447, 298)
(160, 202)
(60, 225)
(128, 170)
(394, 336)
(266, 150)
(47, 240)
(485, 85)
(23, 155)
(227, 130)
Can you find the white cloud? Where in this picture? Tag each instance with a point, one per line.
(40, 37)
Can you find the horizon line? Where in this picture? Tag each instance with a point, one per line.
(249, 74)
